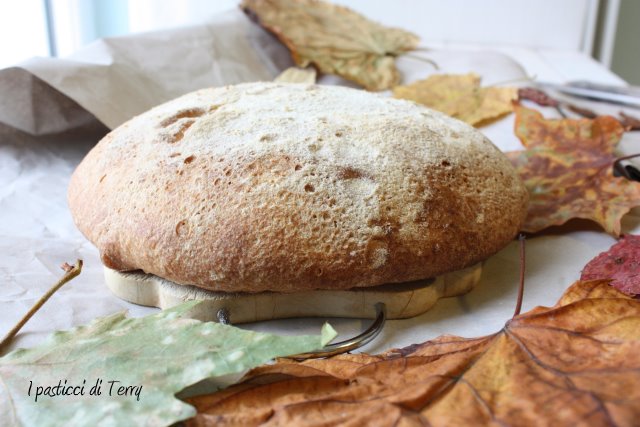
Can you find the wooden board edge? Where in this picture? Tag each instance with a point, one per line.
(403, 300)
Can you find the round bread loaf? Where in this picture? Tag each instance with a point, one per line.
(288, 187)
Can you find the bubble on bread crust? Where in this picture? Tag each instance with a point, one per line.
(176, 125)
(268, 137)
(180, 227)
(179, 134)
(183, 114)
(348, 172)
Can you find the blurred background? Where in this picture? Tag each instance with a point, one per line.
(607, 30)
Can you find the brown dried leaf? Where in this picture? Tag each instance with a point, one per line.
(568, 170)
(577, 363)
(460, 96)
(335, 39)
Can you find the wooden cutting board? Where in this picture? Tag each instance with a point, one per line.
(402, 300)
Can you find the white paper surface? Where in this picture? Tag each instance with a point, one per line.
(37, 233)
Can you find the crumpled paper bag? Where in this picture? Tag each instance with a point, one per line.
(113, 79)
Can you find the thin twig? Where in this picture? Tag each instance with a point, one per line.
(521, 239)
(70, 273)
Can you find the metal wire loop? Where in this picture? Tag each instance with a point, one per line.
(353, 343)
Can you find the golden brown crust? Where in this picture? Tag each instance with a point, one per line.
(287, 187)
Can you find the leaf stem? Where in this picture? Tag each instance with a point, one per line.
(70, 273)
(521, 239)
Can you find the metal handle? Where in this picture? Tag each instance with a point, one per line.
(351, 344)
(340, 347)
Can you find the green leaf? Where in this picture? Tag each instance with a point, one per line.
(159, 354)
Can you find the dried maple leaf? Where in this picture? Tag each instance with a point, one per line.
(577, 363)
(568, 169)
(621, 263)
(335, 39)
(460, 96)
